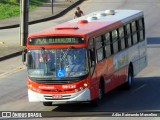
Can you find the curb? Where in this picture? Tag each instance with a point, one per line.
(49, 18)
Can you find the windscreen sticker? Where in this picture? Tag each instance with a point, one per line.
(60, 73)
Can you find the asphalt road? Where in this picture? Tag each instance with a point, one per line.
(144, 95)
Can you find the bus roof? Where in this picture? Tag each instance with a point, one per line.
(90, 23)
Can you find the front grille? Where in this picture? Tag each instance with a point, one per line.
(53, 82)
(68, 80)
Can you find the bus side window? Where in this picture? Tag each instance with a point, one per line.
(107, 43)
(115, 41)
(122, 38)
(99, 48)
(141, 29)
(128, 34)
(134, 32)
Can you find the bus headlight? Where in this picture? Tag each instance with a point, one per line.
(85, 84)
(30, 86)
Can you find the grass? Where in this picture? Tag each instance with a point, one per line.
(11, 8)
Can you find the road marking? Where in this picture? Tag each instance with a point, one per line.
(142, 86)
(18, 68)
(12, 72)
(2, 42)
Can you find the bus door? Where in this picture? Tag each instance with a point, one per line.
(92, 65)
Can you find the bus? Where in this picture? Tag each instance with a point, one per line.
(84, 58)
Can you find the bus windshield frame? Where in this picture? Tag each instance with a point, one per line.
(58, 63)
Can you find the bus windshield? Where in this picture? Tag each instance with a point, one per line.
(57, 63)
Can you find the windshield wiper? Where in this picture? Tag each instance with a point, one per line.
(65, 54)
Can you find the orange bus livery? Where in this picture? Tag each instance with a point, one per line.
(82, 59)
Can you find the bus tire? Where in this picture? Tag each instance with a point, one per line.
(97, 101)
(47, 103)
(128, 84)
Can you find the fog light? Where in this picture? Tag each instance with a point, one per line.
(76, 90)
(38, 90)
(81, 88)
(34, 89)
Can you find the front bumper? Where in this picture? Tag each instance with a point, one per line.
(83, 95)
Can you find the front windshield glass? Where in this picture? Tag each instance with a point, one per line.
(60, 63)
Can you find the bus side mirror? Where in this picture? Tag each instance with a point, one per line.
(24, 51)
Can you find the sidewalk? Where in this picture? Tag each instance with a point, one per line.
(40, 14)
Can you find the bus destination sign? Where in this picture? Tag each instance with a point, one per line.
(55, 40)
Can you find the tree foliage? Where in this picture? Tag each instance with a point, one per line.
(11, 8)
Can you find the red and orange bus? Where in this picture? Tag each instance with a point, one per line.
(82, 59)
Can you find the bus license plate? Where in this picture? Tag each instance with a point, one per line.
(57, 96)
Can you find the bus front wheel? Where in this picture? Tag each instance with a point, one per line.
(97, 101)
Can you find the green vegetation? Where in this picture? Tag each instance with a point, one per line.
(11, 8)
